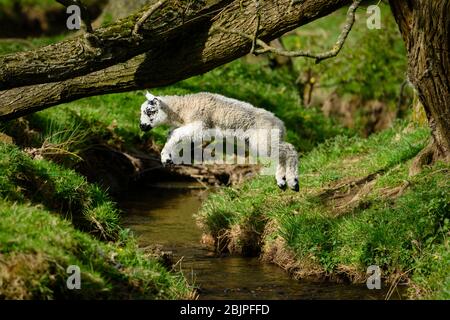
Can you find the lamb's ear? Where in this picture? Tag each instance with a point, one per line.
(149, 96)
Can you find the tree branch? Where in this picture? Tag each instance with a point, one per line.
(265, 48)
(114, 44)
(144, 18)
(196, 48)
(258, 24)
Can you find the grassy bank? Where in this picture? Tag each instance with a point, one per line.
(357, 207)
(62, 219)
(51, 218)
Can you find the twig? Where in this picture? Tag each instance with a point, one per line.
(144, 18)
(85, 17)
(258, 23)
(395, 283)
(350, 20)
(178, 263)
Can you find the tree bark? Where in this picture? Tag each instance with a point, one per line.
(193, 49)
(105, 47)
(119, 9)
(425, 27)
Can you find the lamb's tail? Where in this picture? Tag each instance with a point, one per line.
(287, 171)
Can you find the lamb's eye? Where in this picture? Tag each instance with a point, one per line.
(150, 112)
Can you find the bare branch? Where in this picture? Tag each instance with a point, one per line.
(144, 18)
(258, 23)
(264, 47)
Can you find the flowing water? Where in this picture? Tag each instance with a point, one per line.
(164, 216)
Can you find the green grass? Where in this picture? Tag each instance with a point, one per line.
(398, 224)
(364, 67)
(8, 46)
(38, 246)
(59, 189)
(431, 277)
(52, 217)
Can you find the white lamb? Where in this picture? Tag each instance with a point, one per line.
(190, 114)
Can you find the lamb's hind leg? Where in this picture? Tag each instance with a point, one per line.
(280, 174)
(261, 140)
(291, 166)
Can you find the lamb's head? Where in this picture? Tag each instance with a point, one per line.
(152, 113)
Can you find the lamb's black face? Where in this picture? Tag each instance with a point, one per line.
(145, 127)
(152, 114)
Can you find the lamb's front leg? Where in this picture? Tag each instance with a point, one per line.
(166, 154)
(192, 132)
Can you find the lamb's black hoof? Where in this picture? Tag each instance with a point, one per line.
(295, 187)
(282, 186)
(168, 163)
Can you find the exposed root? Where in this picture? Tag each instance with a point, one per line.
(217, 174)
(6, 139)
(348, 194)
(395, 192)
(427, 157)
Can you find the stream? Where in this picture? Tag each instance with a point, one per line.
(163, 215)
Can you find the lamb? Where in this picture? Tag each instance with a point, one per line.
(192, 113)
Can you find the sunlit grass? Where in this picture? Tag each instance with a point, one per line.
(397, 224)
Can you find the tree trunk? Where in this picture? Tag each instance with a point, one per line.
(194, 49)
(425, 27)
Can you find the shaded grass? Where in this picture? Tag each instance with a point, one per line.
(391, 220)
(63, 190)
(11, 46)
